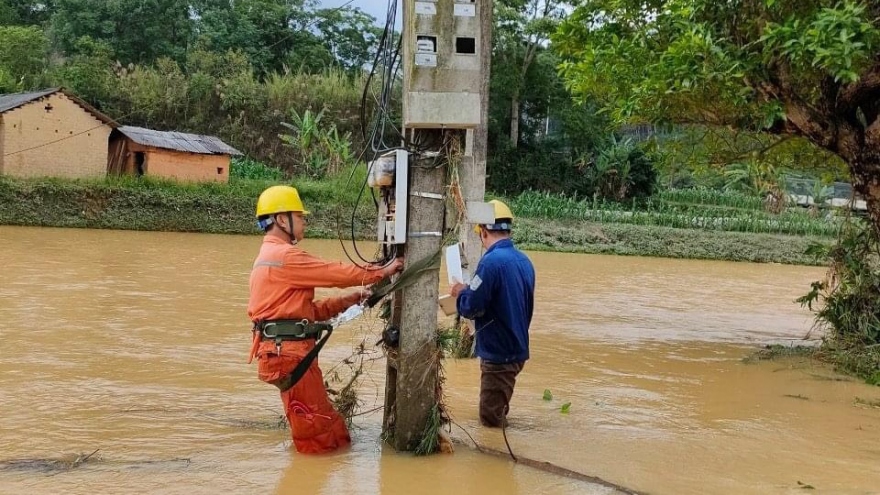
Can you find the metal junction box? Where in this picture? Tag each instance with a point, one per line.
(392, 225)
(441, 55)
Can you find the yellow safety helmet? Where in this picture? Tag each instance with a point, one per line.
(503, 217)
(502, 211)
(280, 199)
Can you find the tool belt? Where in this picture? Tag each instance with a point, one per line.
(284, 330)
(295, 330)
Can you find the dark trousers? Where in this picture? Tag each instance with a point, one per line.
(496, 389)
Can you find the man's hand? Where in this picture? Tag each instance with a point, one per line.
(364, 294)
(456, 289)
(394, 267)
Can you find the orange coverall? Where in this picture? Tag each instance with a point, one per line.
(282, 287)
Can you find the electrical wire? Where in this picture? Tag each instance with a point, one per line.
(376, 129)
(294, 33)
(70, 136)
(388, 58)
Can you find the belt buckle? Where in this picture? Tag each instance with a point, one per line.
(266, 326)
(305, 328)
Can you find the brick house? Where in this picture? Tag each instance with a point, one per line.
(173, 155)
(52, 133)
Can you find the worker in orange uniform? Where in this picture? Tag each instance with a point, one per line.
(288, 328)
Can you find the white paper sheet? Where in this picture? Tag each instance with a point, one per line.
(453, 265)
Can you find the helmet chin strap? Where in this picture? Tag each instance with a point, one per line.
(293, 240)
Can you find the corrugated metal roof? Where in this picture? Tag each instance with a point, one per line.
(179, 141)
(15, 100)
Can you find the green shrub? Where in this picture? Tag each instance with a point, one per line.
(249, 169)
(847, 302)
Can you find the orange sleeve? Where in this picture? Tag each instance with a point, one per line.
(332, 306)
(305, 271)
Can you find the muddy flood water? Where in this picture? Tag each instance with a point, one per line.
(131, 346)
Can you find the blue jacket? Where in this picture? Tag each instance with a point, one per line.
(500, 300)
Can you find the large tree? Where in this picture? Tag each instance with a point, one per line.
(25, 12)
(138, 30)
(522, 28)
(808, 68)
(22, 58)
(349, 34)
(273, 33)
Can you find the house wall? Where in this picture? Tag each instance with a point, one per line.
(187, 167)
(66, 141)
(2, 135)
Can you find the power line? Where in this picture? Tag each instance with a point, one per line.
(387, 55)
(56, 141)
(291, 35)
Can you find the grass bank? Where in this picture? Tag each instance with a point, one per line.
(664, 242)
(150, 205)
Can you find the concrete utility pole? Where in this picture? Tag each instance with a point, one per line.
(446, 55)
(411, 388)
(473, 170)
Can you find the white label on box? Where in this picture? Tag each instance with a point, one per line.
(465, 10)
(480, 213)
(426, 8)
(426, 59)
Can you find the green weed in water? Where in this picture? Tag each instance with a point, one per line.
(456, 342)
(430, 442)
(548, 396)
(867, 402)
(776, 351)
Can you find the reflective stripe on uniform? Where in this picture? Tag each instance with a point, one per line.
(274, 264)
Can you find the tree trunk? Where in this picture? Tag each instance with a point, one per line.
(515, 100)
(859, 146)
(866, 181)
(514, 120)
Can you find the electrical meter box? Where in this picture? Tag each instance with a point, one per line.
(390, 174)
(441, 50)
(380, 173)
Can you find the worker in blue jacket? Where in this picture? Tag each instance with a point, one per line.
(500, 300)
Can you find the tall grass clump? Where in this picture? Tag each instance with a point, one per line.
(249, 169)
(847, 302)
(706, 196)
(455, 341)
(221, 94)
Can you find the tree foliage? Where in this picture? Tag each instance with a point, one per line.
(809, 68)
(539, 137)
(271, 32)
(520, 59)
(349, 35)
(22, 58)
(274, 34)
(139, 30)
(25, 12)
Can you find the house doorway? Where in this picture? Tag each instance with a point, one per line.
(139, 163)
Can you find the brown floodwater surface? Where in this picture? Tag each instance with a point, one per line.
(134, 344)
